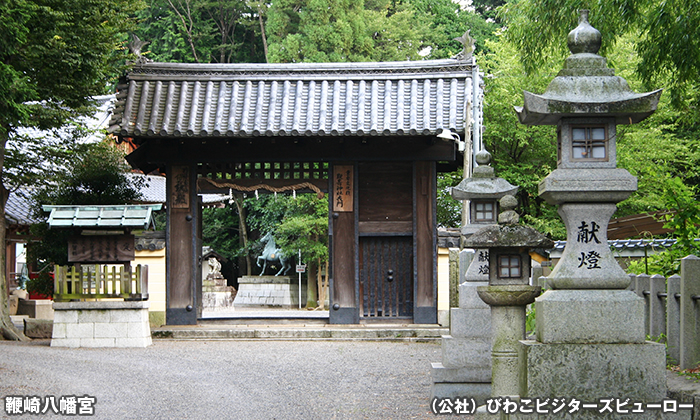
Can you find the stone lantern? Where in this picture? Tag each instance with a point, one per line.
(466, 352)
(483, 190)
(508, 291)
(590, 330)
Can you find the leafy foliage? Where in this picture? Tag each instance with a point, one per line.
(95, 174)
(684, 220)
(55, 55)
(220, 231)
(668, 33)
(203, 31)
(76, 39)
(522, 155)
(305, 228)
(449, 210)
(372, 30)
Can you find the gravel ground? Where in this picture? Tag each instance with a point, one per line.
(230, 379)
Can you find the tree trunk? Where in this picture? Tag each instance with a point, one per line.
(243, 230)
(7, 329)
(320, 286)
(311, 295)
(262, 31)
(187, 28)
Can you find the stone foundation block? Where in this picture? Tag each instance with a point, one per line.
(35, 308)
(440, 373)
(479, 391)
(589, 372)
(590, 316)
(475, 323)
(458, 352)
(38, 328)
(468, 297)
(101, 324)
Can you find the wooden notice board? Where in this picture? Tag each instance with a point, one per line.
(343, 188)
(101, 249)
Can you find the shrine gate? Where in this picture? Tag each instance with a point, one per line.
(364, 133)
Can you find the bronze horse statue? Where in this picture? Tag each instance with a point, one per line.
(273, 255)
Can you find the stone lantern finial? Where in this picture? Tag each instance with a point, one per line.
(584, 38)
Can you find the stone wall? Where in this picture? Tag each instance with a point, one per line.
(101, 324)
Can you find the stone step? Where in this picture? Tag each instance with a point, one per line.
(18, 321)
(301, 332)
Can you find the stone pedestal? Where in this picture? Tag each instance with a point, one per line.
(269, 291)
(101, 324)
(36, 308)
(465, 370)
(216, 295)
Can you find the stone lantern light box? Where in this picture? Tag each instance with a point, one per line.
(482, 190)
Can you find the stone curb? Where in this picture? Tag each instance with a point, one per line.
(685, 390)
(300, 333)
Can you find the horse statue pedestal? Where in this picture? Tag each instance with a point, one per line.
(269, 291)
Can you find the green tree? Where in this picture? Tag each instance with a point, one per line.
(56, 55)
(202, 31)
(318, 31)
(668, 33)
(447, 21)
(305, 228)
(522, 155)
(94, 174)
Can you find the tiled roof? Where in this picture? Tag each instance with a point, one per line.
(246, 100)
(625, 247)
(153, 190)
(619, 244)
(18, 210)
(131, 216)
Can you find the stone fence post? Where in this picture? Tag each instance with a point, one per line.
(690, 321)
(673, 318)
(672, 309)
(657, 306)
(642, 285)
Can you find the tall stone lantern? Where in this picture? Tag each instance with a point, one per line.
(590, 330)
(465, 369)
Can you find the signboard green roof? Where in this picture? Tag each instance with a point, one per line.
(104, 217)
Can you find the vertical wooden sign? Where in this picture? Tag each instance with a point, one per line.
(180, 194)
(343, 188)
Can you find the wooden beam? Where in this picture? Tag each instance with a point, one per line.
(154, 153)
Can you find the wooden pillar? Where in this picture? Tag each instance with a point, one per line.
(425, 242)
(343, 285)
(181, 244)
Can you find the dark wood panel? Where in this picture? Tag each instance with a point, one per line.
(180, 256)
(386, 277)
(343, 258)
(386, 228)
(385, 193)
(153, 153)
(425, 233)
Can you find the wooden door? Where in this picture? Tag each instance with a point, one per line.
(386, 276)
(385, 222)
